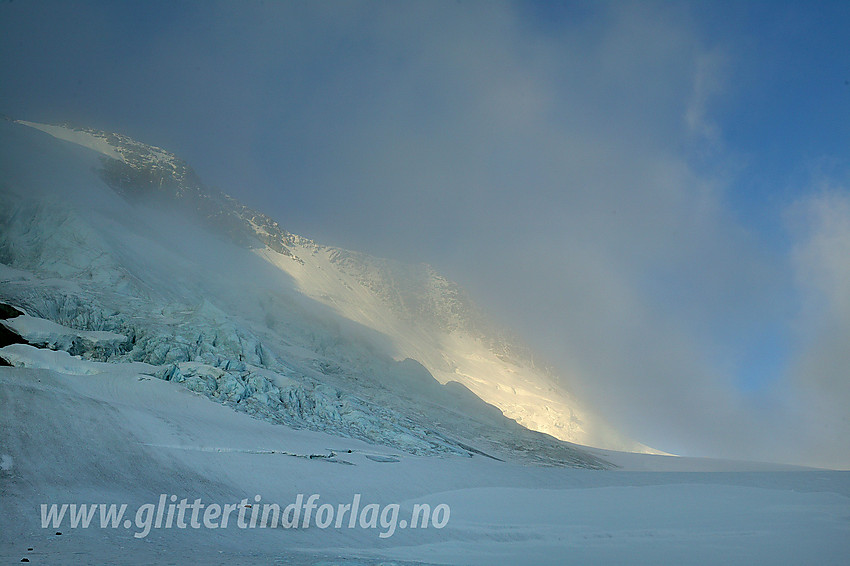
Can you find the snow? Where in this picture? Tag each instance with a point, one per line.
(669, 463)
(519, 391)
(366, 295)
(84, 139)
(26, 356)
(641, 524)
(8, 273)
(163, 359)
(121, 436)
(45, 333)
